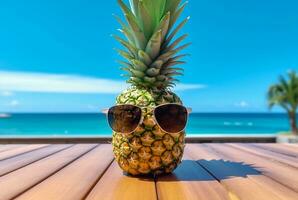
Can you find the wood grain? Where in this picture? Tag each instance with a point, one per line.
(281, 149)
(190, 181)
(74, 181)
(208, 171)
(115, 185)
(19, 161)
(22, 179)
(20, 150)
(240, 178)
(287, 160)
(282, 174)
(294, 146)
(7, 147)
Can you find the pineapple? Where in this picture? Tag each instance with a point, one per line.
(151, 54)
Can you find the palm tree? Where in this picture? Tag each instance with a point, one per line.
(285, 94)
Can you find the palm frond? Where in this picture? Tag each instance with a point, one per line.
(284, 93)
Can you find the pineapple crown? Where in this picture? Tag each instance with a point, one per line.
(151, 43)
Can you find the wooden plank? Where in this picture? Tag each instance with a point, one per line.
(19, 161)
(16, 182)
(282, 174)
(115, 185)
(75, 180)
(291, 145)
(239, 178)
(277, 148)
(7, 147)
(20, 150)
(287, 160)
(190, 181)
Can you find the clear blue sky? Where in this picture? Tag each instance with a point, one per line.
(238, 49)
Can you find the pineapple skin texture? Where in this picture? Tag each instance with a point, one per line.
(148, 150)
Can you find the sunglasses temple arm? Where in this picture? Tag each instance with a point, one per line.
(105, 111)
(189, 110)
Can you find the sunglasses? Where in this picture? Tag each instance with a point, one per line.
(171, 118)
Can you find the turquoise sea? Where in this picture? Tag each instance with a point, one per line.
(96, 124)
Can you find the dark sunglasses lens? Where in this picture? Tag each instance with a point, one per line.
(171, 117)
(124, 118)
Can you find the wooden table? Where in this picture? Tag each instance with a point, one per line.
(208, 171)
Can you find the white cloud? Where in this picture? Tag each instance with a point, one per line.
(14, 103)
(65, 83)
(182, 86)
(6, 93)
(242, 104)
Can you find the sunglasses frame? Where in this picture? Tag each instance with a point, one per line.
(189, 110)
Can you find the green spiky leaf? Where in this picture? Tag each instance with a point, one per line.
(124, 54)
(139, 65)
(175, 31)
(164, 26)
(145, 20)
(172, 5)
(134, 6)
(176, 15)
(138, 33)
(144, 57)
(153, 46)
(137, 73)
(130, 47)
(149, 79)
(152, 72)
(125, 64)
(157, 64)
(176, 42)
(151, 54)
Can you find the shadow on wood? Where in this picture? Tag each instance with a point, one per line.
(207, 170)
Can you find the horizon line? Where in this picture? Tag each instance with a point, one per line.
(211, 112)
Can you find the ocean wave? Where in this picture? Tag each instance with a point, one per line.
(237, 124)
